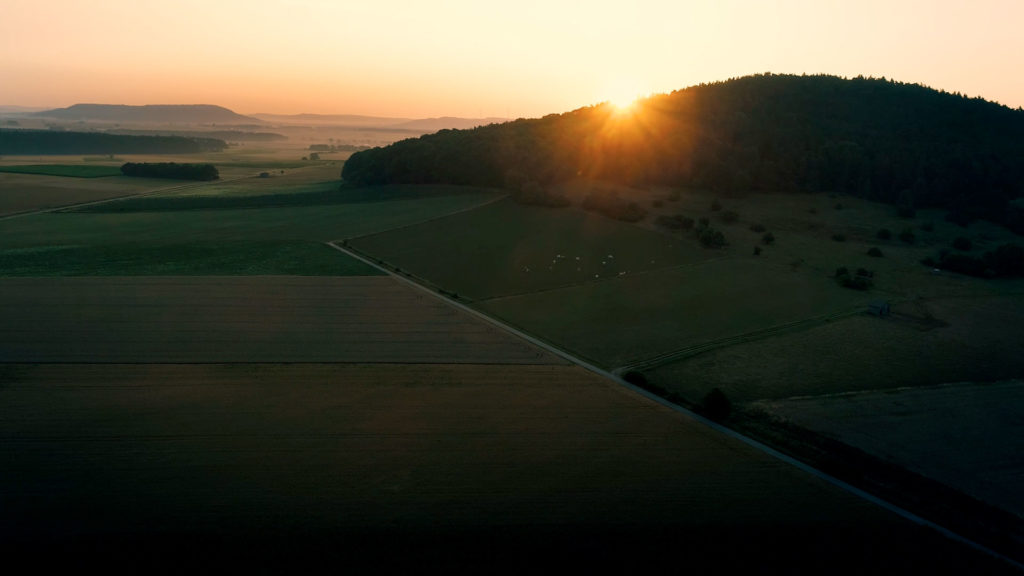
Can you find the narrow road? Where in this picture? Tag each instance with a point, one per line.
(906, 514)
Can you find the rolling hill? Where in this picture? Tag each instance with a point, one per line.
(903, 144)
(150, 113)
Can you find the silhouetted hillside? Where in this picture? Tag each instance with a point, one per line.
(899, 143)
(151, 113)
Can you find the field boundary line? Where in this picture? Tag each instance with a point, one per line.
(125, 197)
(697, 349)
(764, 448)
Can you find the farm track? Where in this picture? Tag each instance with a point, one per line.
(749, 441)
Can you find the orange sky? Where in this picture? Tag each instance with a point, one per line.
(483, 58)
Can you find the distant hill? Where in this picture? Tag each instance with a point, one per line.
(150, 113)
(904, 144)
(330, 119)
(448, 123)
(404, 124)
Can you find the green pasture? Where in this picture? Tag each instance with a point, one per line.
(504, 249)
(167, 235)
(637, 317)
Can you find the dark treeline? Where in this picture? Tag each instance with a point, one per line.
(171, 170)
(904, 144)
(226, 135)
(59, 142)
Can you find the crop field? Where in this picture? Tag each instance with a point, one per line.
(505, 249)
(969, 436)
(276, 233)
(70, 170)
(242, 319)
(27, 192)
(643, 315)
(923, 343)
(541, 454)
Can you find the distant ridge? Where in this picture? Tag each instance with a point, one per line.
(407, 124)
(150, 113)
(448, 123)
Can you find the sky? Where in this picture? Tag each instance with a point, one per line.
(480, 58)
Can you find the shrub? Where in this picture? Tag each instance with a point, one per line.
(635, 378)
(860, 281)
(839, 237)
(170, 170)
(757, 250)
(768, 238)
(716, 405)
(711, 238)
(884, 234)
(874, 252)
(907, 235)
(962, 243)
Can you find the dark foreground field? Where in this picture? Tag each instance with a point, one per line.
(350, 465)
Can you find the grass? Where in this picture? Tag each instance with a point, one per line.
(283, 453)
(171, 235)
(640, 316)
(505, 249)
(243, 319)
(69, 170)
(947, 433)
(176, 258)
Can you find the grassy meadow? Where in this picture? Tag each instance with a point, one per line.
(257, 226)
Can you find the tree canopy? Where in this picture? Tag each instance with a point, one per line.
(904, 144)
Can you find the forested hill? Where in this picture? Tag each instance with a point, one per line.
(899, 143)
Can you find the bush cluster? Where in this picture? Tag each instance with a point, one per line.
(171, 170)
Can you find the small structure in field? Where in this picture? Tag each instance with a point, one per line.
(879, 308)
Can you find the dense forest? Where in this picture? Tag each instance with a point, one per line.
(60, 142)
(171, 170)
(904, 144)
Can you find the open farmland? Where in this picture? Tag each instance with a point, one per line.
(27, 192)
(275, 233)
(969, 436)
(366, 459)
(642, 315)
(240, 319)
(505, 248)
(923, 343)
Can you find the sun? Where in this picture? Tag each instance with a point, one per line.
(622, 97)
